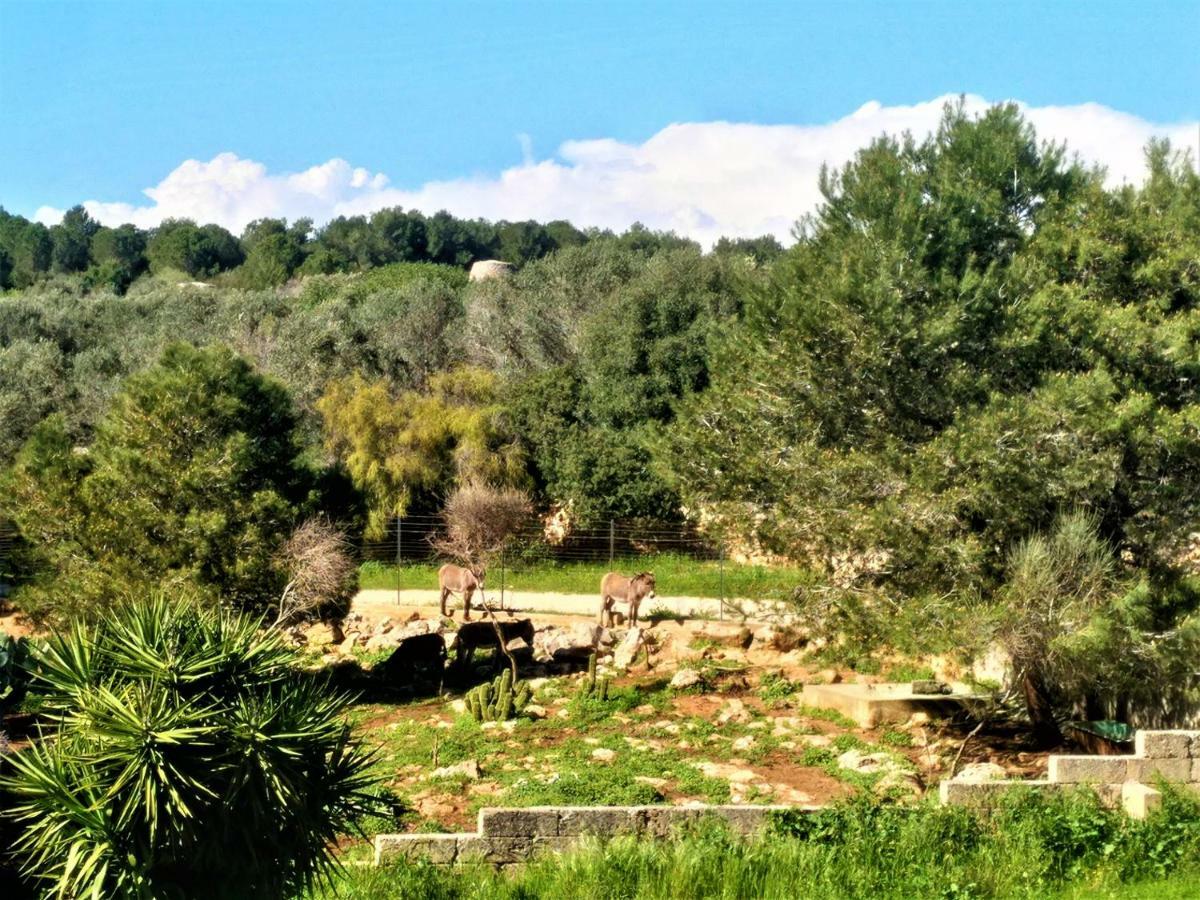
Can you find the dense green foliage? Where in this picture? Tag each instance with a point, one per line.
(972, 339)
(1033, 848)
(185, 758)
(193, 478)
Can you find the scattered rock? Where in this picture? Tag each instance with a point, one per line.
(468, 769)
(780, 638)
(323, 634)
(981, 771)
(899, 783)
(735, 711)
(627, 650)
(686, 679)
(829, 676)
(867, 763)
(727, 772)
(603, 754)
(743, 744)
(534, 711)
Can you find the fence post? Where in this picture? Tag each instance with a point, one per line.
(502, 579)
(399, 554)
(721, 566)
(611, 542)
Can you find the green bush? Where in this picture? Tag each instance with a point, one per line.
(14, 671)
(187, 756)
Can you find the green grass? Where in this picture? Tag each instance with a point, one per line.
(676, 576)
(1032, 847)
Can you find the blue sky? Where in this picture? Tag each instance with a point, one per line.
(105, 99)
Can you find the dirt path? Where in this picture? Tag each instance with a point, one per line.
(380, 603)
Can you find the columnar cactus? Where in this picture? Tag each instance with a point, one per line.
(498, 700)
(591, 688)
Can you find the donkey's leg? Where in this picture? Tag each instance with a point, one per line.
(467, 603)
(445, 594)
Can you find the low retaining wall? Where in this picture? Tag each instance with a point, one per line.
(1170, 756)
(508, 836)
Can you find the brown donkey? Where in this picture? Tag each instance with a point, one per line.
(614, 586)
(454, 579)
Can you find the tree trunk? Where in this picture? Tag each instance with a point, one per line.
(1041, 711)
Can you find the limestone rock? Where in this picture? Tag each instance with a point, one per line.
(627, 650)
(603, 754)
(468, 769)
(685, 679)
(981, 771)
(323, 634)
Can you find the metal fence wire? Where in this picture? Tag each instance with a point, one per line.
(621, 545)
(412, 539)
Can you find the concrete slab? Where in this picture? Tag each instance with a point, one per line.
(875, 704)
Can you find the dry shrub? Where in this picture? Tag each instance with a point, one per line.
(481, 521)
(320, 569)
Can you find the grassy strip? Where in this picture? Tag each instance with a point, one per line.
(677, 576)
(1032, 847)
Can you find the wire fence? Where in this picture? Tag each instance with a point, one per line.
(686, 563)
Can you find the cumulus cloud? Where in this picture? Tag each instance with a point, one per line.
(700, 179)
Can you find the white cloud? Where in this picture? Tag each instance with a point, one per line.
(703, 179)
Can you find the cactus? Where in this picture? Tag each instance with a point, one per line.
(591, 687)
(498, 700)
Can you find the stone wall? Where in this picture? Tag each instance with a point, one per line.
(508, 836)
(1170, 756)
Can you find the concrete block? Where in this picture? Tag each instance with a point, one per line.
(1088, 769)
(598, 820)
(987, 793)
(1148, 771)
(874, 704)
(531, 822)
(1163, 744)
(1139, 799)
(441, 849)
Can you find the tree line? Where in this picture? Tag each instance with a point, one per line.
(270, 251)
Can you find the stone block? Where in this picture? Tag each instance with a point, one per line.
(598, 820)
(1139, 799)
(441, 849)
(1196, 771)
(1148, 771)
(1089, 769)
(663, 821)
(502, 851)
(1163, 744)
(987, 793)
(553, 844)
(747, 819)
(532, 822)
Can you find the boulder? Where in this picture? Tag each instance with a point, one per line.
(981, 771)
(627, 650)
(468, 769)
(686, 679)
(323, 634)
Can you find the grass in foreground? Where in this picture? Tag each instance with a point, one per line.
(1033, 847)
(677, 576)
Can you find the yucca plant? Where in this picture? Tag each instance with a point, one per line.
(187, 757)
